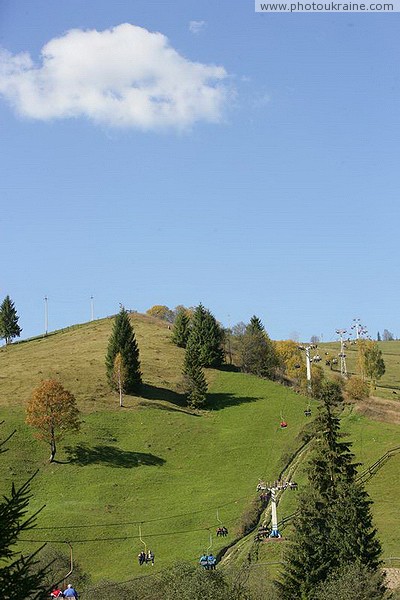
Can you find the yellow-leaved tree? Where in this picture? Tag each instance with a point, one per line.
(52, 411)
(119, 375)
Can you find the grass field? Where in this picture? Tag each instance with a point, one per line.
(389, 386)
(155, 463)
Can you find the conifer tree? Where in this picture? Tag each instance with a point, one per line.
(255, 325)
(20, 577)
(333, 526)
(207, 336)
(257, 353)
(9, 327)
(195, 384)
(181, 329)
(123, 341)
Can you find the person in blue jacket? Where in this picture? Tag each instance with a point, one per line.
(203, 561)
(212, 561)
(70, 592)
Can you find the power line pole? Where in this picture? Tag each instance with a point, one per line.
(342, 355)
(91, 308)
(46, 315)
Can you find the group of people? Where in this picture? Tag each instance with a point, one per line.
(145, 558)
(262, 533)
(208, 561)
(222, 532)
(69, 592)
(277, 485)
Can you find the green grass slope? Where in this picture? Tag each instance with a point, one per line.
(153, 463)
(389, 386)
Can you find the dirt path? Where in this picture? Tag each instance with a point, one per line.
(380, 409)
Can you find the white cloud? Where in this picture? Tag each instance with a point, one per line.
(196, 26)
(125, 76)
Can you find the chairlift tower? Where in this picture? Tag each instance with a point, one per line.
(343, 367)
(275, 533)
(307, 350)
(357, 326)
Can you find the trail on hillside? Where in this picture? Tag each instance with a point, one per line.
(380, 409)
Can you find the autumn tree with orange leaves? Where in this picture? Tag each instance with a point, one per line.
(52, 410)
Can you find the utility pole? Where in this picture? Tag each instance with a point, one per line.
(343, 367)
(91, 308)
(46, 316)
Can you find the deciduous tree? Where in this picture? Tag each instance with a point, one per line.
(374, 364)
(387, 336)
(357, 388)
(53, 411)
(123, 341)
(119, 375)
(9, 328)
(160, 311)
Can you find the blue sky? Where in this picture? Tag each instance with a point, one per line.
(268, 186)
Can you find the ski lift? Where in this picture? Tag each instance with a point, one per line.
(71, 568)
(221, 530)
(208, 561)
(145, 556)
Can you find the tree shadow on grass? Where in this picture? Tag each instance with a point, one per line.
(83, 455)
(221, 401)
(175, 402)
(152, 392)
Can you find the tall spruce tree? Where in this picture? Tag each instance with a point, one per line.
(20, 576)
(181, 329)
(255, 325)
(257, 354)
(195, 384)
(333, 526)
(207, 336)
(123, 341)
(9, 328)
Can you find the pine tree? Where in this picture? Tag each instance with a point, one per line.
(257, 354)
(123, 340)
(195, 384)
(378, 337)
(207, 335)
(20, 578)
(333, 526)
(9, 327)
(181, 330)
(255, 325)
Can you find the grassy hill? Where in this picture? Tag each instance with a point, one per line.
(155, 463)
(389, 386)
